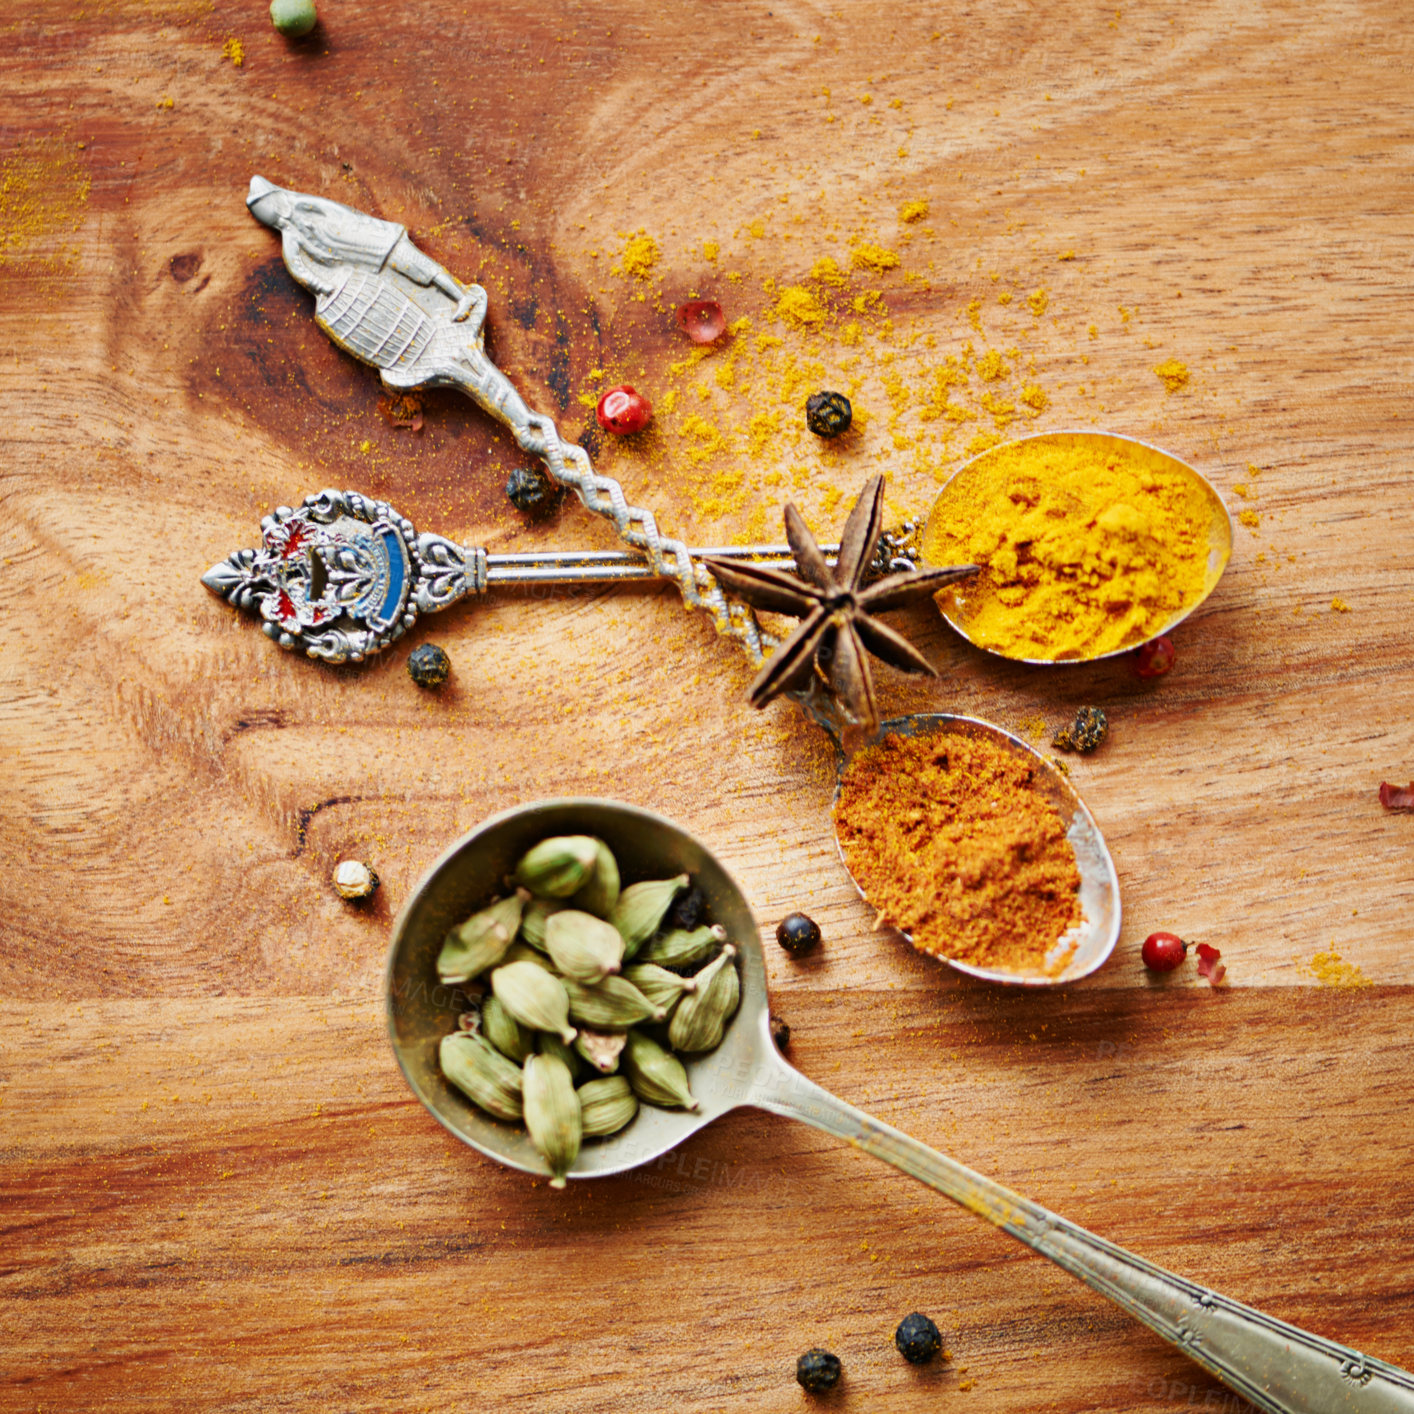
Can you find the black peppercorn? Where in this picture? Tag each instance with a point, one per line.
(828, 414)
(1089, 729)
(817, 1371)
(429, 665)
(530, 490)
(780, 1032)
(798, 934)
(918, 1339)
(687, 910)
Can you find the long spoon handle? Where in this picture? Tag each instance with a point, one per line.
(612, 566)
(1278, 1367)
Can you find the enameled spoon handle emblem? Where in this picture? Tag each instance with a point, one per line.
(342, 576)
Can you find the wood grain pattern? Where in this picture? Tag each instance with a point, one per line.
(214, 1190)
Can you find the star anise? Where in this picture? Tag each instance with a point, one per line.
(835, 608)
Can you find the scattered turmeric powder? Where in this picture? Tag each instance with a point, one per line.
(43, 194)
(873, 257)
(640, 255)
(797, 306)
(991, 367)
(1173, 374)
(950, 840)
(1331, 970)
(820, 321)
(1087, 546)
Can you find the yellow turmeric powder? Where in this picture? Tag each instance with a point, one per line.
(1332, 970)
(640, 255)
(798, 307)
(873, 257)
(1086, 546)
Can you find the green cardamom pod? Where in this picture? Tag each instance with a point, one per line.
(683, 947)
(600, 892)
(605, 1106)
(552, 1114)
(518, 952)
(612, 1004)
(534, 997)
(548, 1044)
(641, 908)
(600, 1048)
(660, 986)
(582, 946)
(656, 1075)
(556, 868)
(482, 1074)
(481, 941)
(532, 921)
(700, 1018)
(505, 1032)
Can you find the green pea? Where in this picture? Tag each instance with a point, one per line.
(293, 18)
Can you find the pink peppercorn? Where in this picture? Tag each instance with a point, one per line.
(702, 320)
(623, 410)
(1162, 952)
(1154, 659)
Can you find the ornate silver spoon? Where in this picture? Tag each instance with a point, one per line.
(1278, 1367)
(342, 576)
(381, 299)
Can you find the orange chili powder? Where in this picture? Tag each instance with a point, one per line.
(953, 844)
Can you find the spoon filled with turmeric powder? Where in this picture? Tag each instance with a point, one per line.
(978, 851)
(1089, 545)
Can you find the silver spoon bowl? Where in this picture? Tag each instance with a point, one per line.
(1275, 1366)
(1086, 947)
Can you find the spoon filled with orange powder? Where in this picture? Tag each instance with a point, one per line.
(978, 850)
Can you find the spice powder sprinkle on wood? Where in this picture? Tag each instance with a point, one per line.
(1083, 551)
(951, 841)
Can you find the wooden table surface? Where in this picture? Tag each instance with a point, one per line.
(215, 1190)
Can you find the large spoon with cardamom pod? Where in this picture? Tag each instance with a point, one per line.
(1079, 950)
(1275, 1366)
